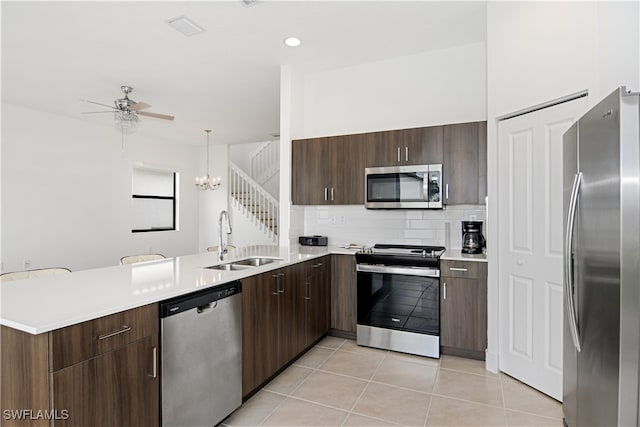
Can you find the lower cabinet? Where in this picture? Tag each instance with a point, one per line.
(119, 388)
(343, 295)
(103, 372)
(463, 308)
(283, 312)
(317, 298)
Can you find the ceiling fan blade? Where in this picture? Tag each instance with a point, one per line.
(98, 103)
(156, 115)
(139, 106)
(96, 112)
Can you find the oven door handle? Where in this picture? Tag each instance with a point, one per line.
(408, 271)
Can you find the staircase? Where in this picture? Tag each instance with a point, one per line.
(253, 201)
(265, 161)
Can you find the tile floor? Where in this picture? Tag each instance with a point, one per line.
(338, 383)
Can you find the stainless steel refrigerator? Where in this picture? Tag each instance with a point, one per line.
(601, 159)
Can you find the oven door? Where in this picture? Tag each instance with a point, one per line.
(400, 298)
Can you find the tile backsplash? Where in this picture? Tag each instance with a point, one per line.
(355, 224)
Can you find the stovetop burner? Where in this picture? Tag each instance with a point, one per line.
(409, 255)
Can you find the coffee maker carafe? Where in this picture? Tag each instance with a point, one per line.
(472, 239)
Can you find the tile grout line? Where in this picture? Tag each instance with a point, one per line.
(365, 387)
(286, 397)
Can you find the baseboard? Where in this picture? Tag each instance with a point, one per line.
(492, 361)
(342, 334)
(460, 352)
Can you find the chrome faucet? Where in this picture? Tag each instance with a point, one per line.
(223, 249)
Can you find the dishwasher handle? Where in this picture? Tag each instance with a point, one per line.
(202, 300)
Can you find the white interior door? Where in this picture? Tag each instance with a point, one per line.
(531, 244)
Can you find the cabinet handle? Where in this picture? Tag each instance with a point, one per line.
(281, 283)
(317, 265)
(155, 363)
(331, 193)
(326, 196)
(446, 191)
(398, 154)
(275, 286)
(457, 269)
(125, 328)
(308, 296)
(444, 293)
(406, 154)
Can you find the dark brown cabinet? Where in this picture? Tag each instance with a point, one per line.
(328, 170)
(317, 298)
(463, 308)
(465, 163)
(283, 312)
(260, 305)
(416, 146)
(118, 388)
(102, 372)
(343, 295)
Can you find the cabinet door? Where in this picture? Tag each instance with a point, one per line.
(310, 172)
(318, 299)
(260, 300)
(384, 148)
(463, 315)
(117, 388)
(460, 166)
(422, 146)
(343, 293)
(348, 158)
(291, 317)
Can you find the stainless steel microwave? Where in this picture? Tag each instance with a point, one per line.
(403, 187)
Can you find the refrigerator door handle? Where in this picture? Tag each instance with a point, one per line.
(568, 266)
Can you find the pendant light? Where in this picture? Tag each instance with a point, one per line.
(206, 182)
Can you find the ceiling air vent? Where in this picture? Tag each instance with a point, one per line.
(185, 25)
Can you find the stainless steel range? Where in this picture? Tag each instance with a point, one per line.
(398, 298)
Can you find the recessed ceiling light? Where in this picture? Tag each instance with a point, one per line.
(292, 41)
(185, 25)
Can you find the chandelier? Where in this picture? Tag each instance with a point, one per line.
(206, 182)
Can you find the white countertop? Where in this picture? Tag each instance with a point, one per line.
(457, 255)
(44, 304)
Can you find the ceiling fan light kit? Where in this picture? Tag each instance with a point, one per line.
(126, 110)
(206, 182)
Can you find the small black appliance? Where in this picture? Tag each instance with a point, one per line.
(314, 240)
(473, 241)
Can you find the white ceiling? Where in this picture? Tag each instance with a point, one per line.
(226, 79)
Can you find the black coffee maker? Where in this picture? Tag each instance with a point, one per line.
(472, 239)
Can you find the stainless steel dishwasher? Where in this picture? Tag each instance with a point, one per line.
(201, 359)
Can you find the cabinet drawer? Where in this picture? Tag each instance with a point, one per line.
(85, 340)
(462, 269)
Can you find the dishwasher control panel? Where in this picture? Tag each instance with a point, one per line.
(199, 299)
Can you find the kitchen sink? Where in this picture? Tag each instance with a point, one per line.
(231, 266)
(256, 261)
(244, 264)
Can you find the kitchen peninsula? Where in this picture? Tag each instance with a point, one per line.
(92, 336)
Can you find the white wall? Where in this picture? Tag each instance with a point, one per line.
(212, 202)
(66, 192)
(436, 87)
(540, 51)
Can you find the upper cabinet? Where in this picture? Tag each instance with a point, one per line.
(328, 171)
(465, 163)
(417, 146)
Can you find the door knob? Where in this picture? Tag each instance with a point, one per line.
(520, 262)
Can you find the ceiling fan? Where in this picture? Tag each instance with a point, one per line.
(127, 110)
